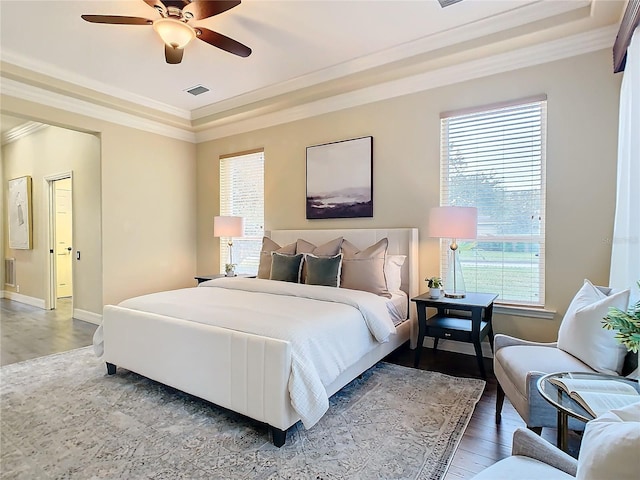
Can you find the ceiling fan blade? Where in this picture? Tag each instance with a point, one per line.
(172, 55)
(225, 43)
(208, 8)
(117, 20)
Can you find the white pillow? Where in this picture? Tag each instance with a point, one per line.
(581, 333)
(610, 447)
(393, 271)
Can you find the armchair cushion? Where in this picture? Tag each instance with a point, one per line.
(531, 457)
(611, 445)
(581, 333)
(518, 364)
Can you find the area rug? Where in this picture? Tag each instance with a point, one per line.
(63, 417)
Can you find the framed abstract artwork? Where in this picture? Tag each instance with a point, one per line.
(20, 221)
(340, 179)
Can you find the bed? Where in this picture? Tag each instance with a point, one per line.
(227, 340)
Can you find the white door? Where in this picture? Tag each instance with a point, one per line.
(63, 235)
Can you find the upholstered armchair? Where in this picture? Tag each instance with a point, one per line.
(609, 449)
(518, 364)
(531, 457)
(582, 346)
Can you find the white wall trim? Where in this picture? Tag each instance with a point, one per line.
(24, 91)
(87, 316)
(22, 131)
(530, 312)
(67, 76)
(573, 45)
(18, 297)
(579, 44)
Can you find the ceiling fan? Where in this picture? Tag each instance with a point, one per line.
(174, 29)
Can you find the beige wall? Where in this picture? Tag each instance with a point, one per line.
(47, 152)
(147, 204)
(581, 157)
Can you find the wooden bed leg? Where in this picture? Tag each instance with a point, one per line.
(111, 368)
(279, 436)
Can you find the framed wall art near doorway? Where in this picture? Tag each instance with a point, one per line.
(340, 179)
(20, 213)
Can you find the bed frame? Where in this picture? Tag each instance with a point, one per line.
(247, 373)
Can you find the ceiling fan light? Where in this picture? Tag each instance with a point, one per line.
(173, 32)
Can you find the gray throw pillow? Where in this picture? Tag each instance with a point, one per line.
(286, 268)
(323, 270)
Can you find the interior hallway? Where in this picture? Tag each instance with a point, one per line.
(28, 332)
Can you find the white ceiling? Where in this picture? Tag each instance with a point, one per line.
(308, 48)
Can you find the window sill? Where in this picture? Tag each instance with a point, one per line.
(532, 312)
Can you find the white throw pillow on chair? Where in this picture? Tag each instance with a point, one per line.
(610, 447)
(581, 333)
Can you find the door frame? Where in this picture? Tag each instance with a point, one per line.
(50, 300)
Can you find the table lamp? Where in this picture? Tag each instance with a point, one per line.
(228, 227)
(454, 223)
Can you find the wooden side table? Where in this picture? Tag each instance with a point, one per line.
(450, 325)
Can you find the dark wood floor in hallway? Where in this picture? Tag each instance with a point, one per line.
(29, 332)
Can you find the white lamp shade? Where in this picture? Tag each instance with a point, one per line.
(453, 222)
(225, 226)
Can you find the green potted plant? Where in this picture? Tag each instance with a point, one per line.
(627, 324)
(230, 269)
(434, 284)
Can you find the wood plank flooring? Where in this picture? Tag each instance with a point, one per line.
(28, 332)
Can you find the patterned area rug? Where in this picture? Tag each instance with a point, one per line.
(63, 417)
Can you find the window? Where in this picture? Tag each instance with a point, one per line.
(494, 159)
(242, 194)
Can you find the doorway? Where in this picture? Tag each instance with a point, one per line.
(60, 276)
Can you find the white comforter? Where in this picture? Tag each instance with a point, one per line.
(329, 328)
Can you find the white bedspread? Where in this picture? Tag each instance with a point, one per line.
(329, 328)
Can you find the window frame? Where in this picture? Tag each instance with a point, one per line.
(536, 297)
(246, 249)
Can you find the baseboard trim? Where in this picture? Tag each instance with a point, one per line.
(18, 297)
(459, 347)
(87, 316)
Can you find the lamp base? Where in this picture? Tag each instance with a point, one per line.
(455, 295)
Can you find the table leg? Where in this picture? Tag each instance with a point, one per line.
(563, 430)
(422, 326)
(478, 347)
(476, 319)
(488, 316)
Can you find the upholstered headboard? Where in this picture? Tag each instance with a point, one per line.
(402, 241)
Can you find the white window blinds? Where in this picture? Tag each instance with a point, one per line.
(242, 194)
(494, 159)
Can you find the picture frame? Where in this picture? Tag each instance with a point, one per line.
(340, 179)
(20, 213)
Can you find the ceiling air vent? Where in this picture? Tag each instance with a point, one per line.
(197, 90)
(447, 3)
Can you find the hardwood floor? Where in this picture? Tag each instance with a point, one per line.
(483, 442)
(28, 332)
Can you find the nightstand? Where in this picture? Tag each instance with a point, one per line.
(450, 324)
(204, 278)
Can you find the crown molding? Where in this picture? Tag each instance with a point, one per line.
(66, 76)
(31, 93)
(514, 18)
(22, 131)
(578, 44)
(569, 46)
